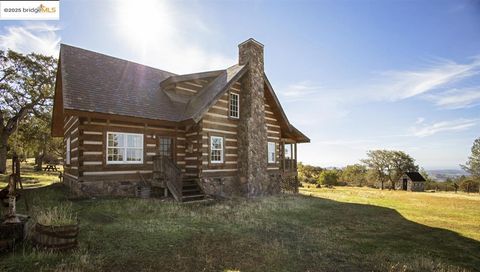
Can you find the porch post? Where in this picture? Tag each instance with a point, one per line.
(295, 166)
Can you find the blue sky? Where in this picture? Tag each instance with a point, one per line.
(352, 75)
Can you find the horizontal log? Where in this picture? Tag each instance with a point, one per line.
(219, 170)
(220, 131)
(88, 132)
(125, 172)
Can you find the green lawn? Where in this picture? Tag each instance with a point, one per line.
(341, 229)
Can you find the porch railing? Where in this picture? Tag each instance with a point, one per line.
(166, 170)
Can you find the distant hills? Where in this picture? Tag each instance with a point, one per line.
(443, 174)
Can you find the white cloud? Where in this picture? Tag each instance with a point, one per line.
(444, 126)
(332, 104)
(397, 85)
(420, 120)
(164, 34)
(458, 98)
(301, 90)
(32, 37)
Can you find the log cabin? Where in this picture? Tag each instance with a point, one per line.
(219, 133)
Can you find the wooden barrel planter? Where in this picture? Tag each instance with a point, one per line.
(56, 237)
(143, 192)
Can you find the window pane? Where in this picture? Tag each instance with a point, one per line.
(216, 149)
(271, 152)
(116, 140)
(165, 147)
(234, 105)
(216, 155)
(123, 147)
(134, 154)
(68, 151)
(288, 151)
(115, 154)
(216, 143)
(134, 141)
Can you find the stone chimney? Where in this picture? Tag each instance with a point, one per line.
(252, 131)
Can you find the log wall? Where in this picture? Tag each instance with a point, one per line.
(71, 130)
(216, 122)
(91, 161)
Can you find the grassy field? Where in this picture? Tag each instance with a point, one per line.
(341, 229)
(31, 178)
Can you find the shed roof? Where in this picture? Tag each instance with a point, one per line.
(415, 176)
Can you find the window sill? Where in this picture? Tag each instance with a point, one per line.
(123, 163)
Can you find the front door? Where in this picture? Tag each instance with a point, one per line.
(165, 146)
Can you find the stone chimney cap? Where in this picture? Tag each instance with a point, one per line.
(251, 40)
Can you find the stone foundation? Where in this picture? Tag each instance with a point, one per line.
(222, 186)
(102, 187)
(227, 187)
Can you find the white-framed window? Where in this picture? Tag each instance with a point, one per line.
(234, 109)
(216, 149)
(288, 151)
(124, 148)
(271, 152)
(68, 152)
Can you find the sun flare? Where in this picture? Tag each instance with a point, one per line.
(142, 21)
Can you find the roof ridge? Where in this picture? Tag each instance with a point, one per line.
(117, 58)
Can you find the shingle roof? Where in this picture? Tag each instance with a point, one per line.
(96, 82)
(415, 176)
(100, 83)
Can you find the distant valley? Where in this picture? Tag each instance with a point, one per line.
(444, 174)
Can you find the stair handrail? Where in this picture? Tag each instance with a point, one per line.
(172, 175)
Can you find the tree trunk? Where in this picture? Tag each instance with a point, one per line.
(41, 155)
(3, 154)
(38, 161)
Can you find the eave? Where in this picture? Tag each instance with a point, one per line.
(58, 114)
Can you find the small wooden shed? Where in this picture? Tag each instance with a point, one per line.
(411, 181)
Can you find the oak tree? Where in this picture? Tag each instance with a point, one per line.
(26, 89)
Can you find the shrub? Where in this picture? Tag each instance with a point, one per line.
(469, 186)
(328, 177)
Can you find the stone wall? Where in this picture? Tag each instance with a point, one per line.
(101, 188)
(252, 132)
(417, 186)
(222, 186)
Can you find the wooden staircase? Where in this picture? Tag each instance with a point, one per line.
(170, 177)
(191, 191)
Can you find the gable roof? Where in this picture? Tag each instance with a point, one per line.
(88, 81)
(415, 176)
(207, 97)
